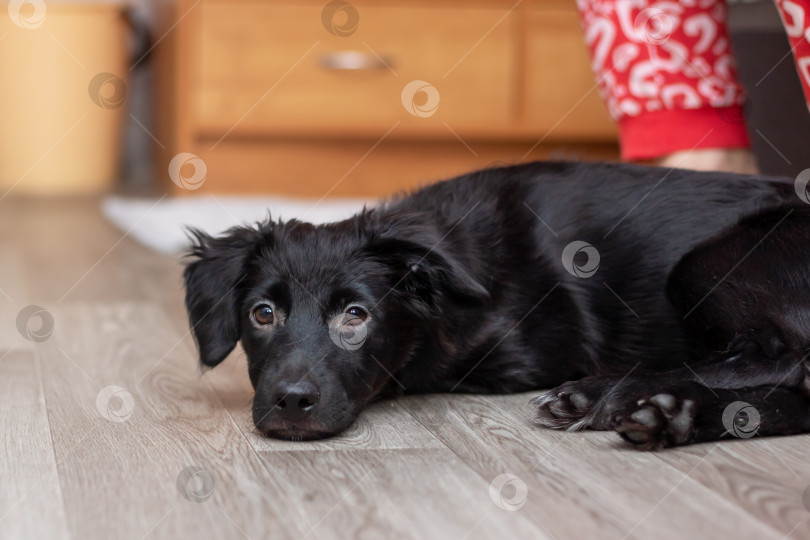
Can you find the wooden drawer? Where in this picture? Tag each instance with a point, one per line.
(262, 65)
(345, 168)
(561, 92)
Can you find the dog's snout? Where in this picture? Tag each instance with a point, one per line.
(293, 400)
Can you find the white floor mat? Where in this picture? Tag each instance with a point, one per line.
(160, 223)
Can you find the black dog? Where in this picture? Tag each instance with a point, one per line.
(672, 306)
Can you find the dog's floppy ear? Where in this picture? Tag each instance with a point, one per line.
(212, 281)
(421, 264)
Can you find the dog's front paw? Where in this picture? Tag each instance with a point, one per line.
(565, 407)
(658, 422)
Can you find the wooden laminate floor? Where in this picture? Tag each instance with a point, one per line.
(107, 430)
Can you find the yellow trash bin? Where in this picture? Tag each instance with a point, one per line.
(63, 86)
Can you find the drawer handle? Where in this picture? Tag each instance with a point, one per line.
(353, 61)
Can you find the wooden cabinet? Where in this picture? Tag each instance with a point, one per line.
(374, 96)
(561, 91)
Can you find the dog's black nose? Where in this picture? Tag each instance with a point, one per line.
(293, 400)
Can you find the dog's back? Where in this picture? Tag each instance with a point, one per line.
(511, 226)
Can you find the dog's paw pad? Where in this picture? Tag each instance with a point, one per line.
(667, 402)
(645, 416)
(562, 408)
(657, 422)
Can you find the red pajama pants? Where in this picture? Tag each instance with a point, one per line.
(666, 71)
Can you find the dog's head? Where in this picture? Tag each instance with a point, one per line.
(326, 314)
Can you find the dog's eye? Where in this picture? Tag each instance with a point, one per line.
(355, 315)
(263, 314)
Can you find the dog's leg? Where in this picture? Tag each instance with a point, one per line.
(747, 294)
(750, 286)
(747, 287)
(593, 401)
(691, 413)
(586, 403)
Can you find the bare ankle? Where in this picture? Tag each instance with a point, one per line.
(737, 160)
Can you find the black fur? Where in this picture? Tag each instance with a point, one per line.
(701, 298)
